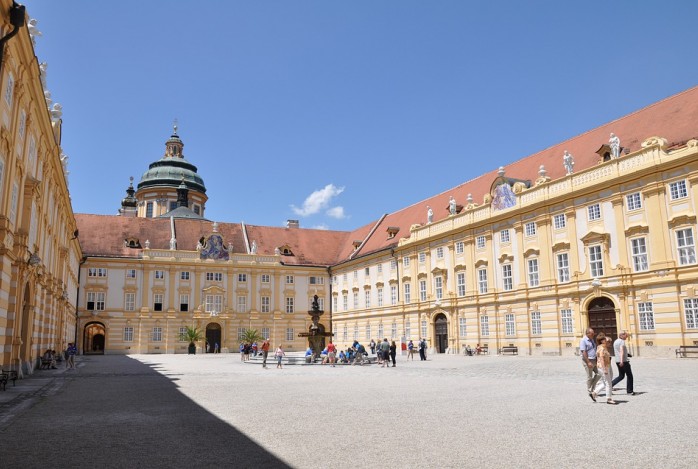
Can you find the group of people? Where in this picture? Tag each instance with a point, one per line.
(49, 359)
(422, 346)
(596, 359)
(246, 349)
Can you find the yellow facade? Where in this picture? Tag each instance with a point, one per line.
(39, 252)
(633, 217)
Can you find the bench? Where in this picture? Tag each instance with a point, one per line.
(7, 375)
(685, 350)
(484, 350)
(509, 350)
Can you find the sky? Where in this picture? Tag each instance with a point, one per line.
(336, 112)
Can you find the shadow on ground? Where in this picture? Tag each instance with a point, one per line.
(115, 411)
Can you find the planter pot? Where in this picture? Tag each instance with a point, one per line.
(192, 349)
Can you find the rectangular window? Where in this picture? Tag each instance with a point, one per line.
(130, 302)
(367, 298)
(96, 272)
(184, 302)
(356, 332)
(289, 334)
(536, 326)
(408, 329)
(344, 277)
(422, 257)
(266, 304)
(596, 261)
(480, 242)
(510, 325)
(317, 280)
(242, 278)
(345, 302)
(484, 326)
(197, 209)
(504, 236)
(393, 264)
(128, 334)
(9, 89)
(393, 295)
(424, 329)
(440, 253)
(460, 248)
(289, 279)
(379, 292)
(183, 334)
(160, 274)
(560, 221)
(461, 327)
(355, 297)
(380, 268)
(405, 262)
(345, 333)
(13, 203)
(393, 330)
(290, 305)
(563, 268)
(646, 314)
(639, 249)
(594, 212)
(149, 210)
(367, 271)
(380, 330)
(439, 287)
(130, 273)
(507, 280)
(633, 201)
(368, 331)
(241, 333)
(214, 304)
(678, 190)
(686, 246)
(157, 302)
(566, 316)
(690, 306)
(334, 303)
(406, 288)
(242, 304)
(266, 278)
(95, 301)
(422, 290)
(157, 334)
(482, 280)
(184, 275)
(356, 275)
(266, 333)
(533, 280)
(460, 283)
(214, 276)
(22, 124)
(530, 229)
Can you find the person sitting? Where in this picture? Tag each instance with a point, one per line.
(342, 357)
(309, 355)
(478, 349)
(323, 356)
(46, 359)
(468, 351)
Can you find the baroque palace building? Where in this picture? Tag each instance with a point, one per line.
(596, 231)
(39, 250)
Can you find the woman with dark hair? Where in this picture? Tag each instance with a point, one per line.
(393, 351)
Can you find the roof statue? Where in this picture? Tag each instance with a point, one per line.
(33, 30)
(452, 205)
(173, 244)
(230, 249)
(614, 142)
(568, 162)
(147, 244)
(56, 112)
(253, 248)
(277, 251)
(42, 73)
(215, 227)
(430, 215)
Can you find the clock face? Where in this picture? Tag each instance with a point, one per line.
(503, 198)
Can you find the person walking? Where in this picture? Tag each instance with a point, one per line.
(265, 352)
(423, 349)
(385, 352)
(372, 345)
(70, 353)
(622, 363)
(410, 350)
(393, 352)
(603, 358)
(279, 355)
(587, 349)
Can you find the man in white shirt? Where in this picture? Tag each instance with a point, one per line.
(622, 362)
(587, 349)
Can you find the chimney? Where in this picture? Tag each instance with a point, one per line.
(292, 224)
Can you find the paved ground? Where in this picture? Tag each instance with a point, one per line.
(451, 411)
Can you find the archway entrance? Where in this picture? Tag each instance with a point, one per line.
(441, 330)
(213, 336)
(602, 317)
(93, 341)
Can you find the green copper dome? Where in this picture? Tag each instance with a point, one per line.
(172, 169)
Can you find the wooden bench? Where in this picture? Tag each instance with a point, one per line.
(509, 350)
(684, 351)
(7, 375)
(484, 350)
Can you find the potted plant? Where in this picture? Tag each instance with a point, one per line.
(193, 335)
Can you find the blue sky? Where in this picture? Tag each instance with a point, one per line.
(335, 112)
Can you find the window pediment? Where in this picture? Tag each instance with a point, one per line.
(505, 257)
(379, 284)
(682, 220)
(531, 252)
(439, 271)
(459, 268)
(213, 289)
(594, 237)
(481, 263)
(635, 230)
(561, 246)
(406, 278)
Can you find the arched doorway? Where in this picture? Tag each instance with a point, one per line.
(93, 341)
(602, 317)
(441, 331)
(213, 336)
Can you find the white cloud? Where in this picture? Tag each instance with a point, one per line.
(318, 200)
(336, 212)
